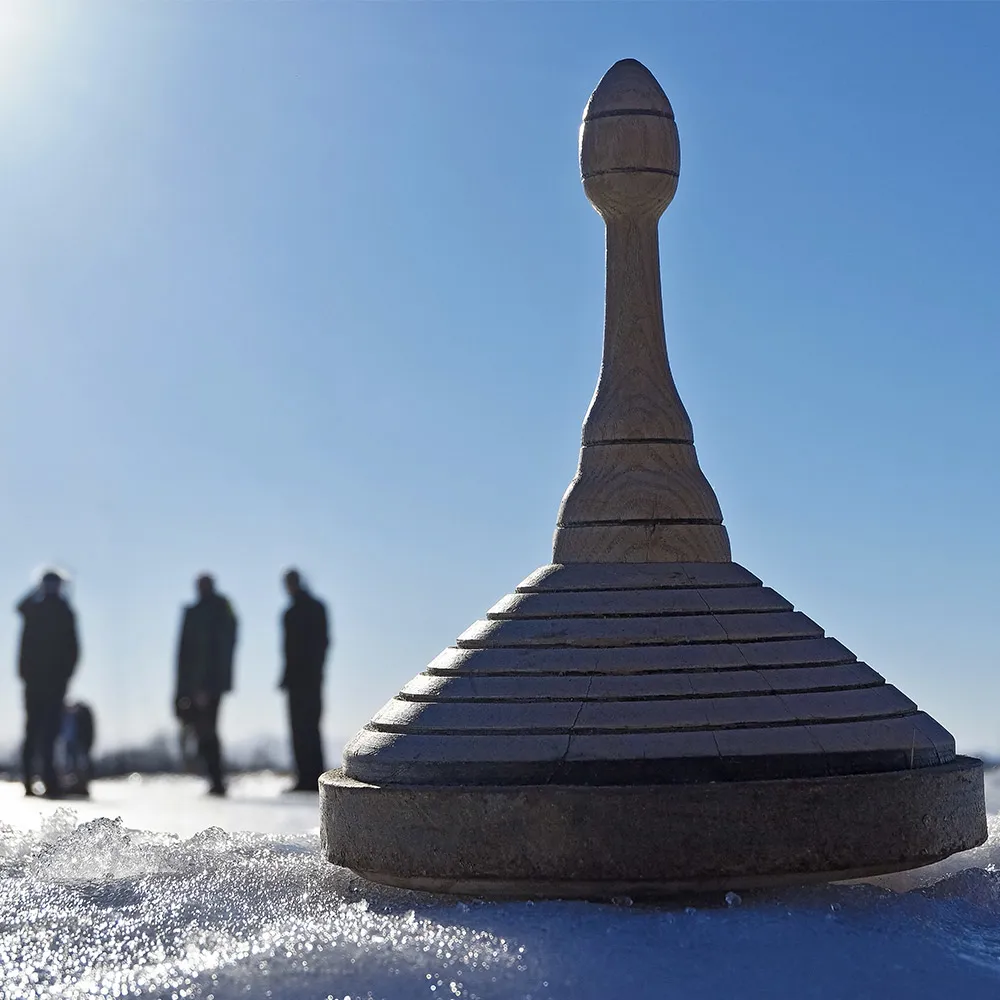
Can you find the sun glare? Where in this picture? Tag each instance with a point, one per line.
(25, 28)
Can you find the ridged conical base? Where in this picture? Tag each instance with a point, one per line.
(605, 706)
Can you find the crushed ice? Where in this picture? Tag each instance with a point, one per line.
(96, 909)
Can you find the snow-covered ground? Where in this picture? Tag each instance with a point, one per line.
(151, 889)
(174, 804)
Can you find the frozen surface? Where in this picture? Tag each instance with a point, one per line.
(94, 906)
(175, 804)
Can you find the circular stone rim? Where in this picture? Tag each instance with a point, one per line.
(579, 841)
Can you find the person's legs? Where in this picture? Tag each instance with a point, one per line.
(82, 746)
(209, 748)
(32, 720)
(295, 727)
(305, 706)
(189, 744)
(314, 743)
(51, 710)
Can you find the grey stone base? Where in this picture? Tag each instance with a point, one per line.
(650, 840)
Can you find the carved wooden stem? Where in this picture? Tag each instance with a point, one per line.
(635, 397)
(639, 494)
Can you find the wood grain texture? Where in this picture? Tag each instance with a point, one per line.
(785, 654)
(616, 632)
(779, 680)
(614, 603)
(632, 143)
(636, 398)
(639, 481)
(636, 576)
(644, 467)
(935, 732)
(627, 86)
(678, 745)
(641, 543)
(632, 716)
(907, 735)
(528, 687)
(452, 716)
(751, 710)
(384, 756)
(795, 652)
(379, 753)
(612, 687)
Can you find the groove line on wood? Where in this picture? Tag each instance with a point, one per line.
(652, 521)
(383, 727)
(636, 440)
(632, 170)
(477, 644)
(499, 616)
(645, 672)
(442, 698)
(617, 113)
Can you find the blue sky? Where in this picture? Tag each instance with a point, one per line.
(316, 283)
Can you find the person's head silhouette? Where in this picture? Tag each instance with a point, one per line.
(293, 582)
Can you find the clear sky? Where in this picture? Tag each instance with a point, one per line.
(316, 283)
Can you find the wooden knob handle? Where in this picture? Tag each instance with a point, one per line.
(630, 155)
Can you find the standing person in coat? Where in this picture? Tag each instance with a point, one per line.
(205, 672)
(48, 655)
(306, 640)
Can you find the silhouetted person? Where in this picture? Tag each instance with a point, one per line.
(78, 740)
(306, 640)
(187, 738)
(205, 672)
(48, 655)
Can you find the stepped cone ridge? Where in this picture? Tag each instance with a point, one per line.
(643, 716)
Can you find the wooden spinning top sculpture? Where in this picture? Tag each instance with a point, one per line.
(643, 716)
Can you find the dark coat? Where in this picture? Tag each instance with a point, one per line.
(206, 648)
(306, 640)
(49, 648)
